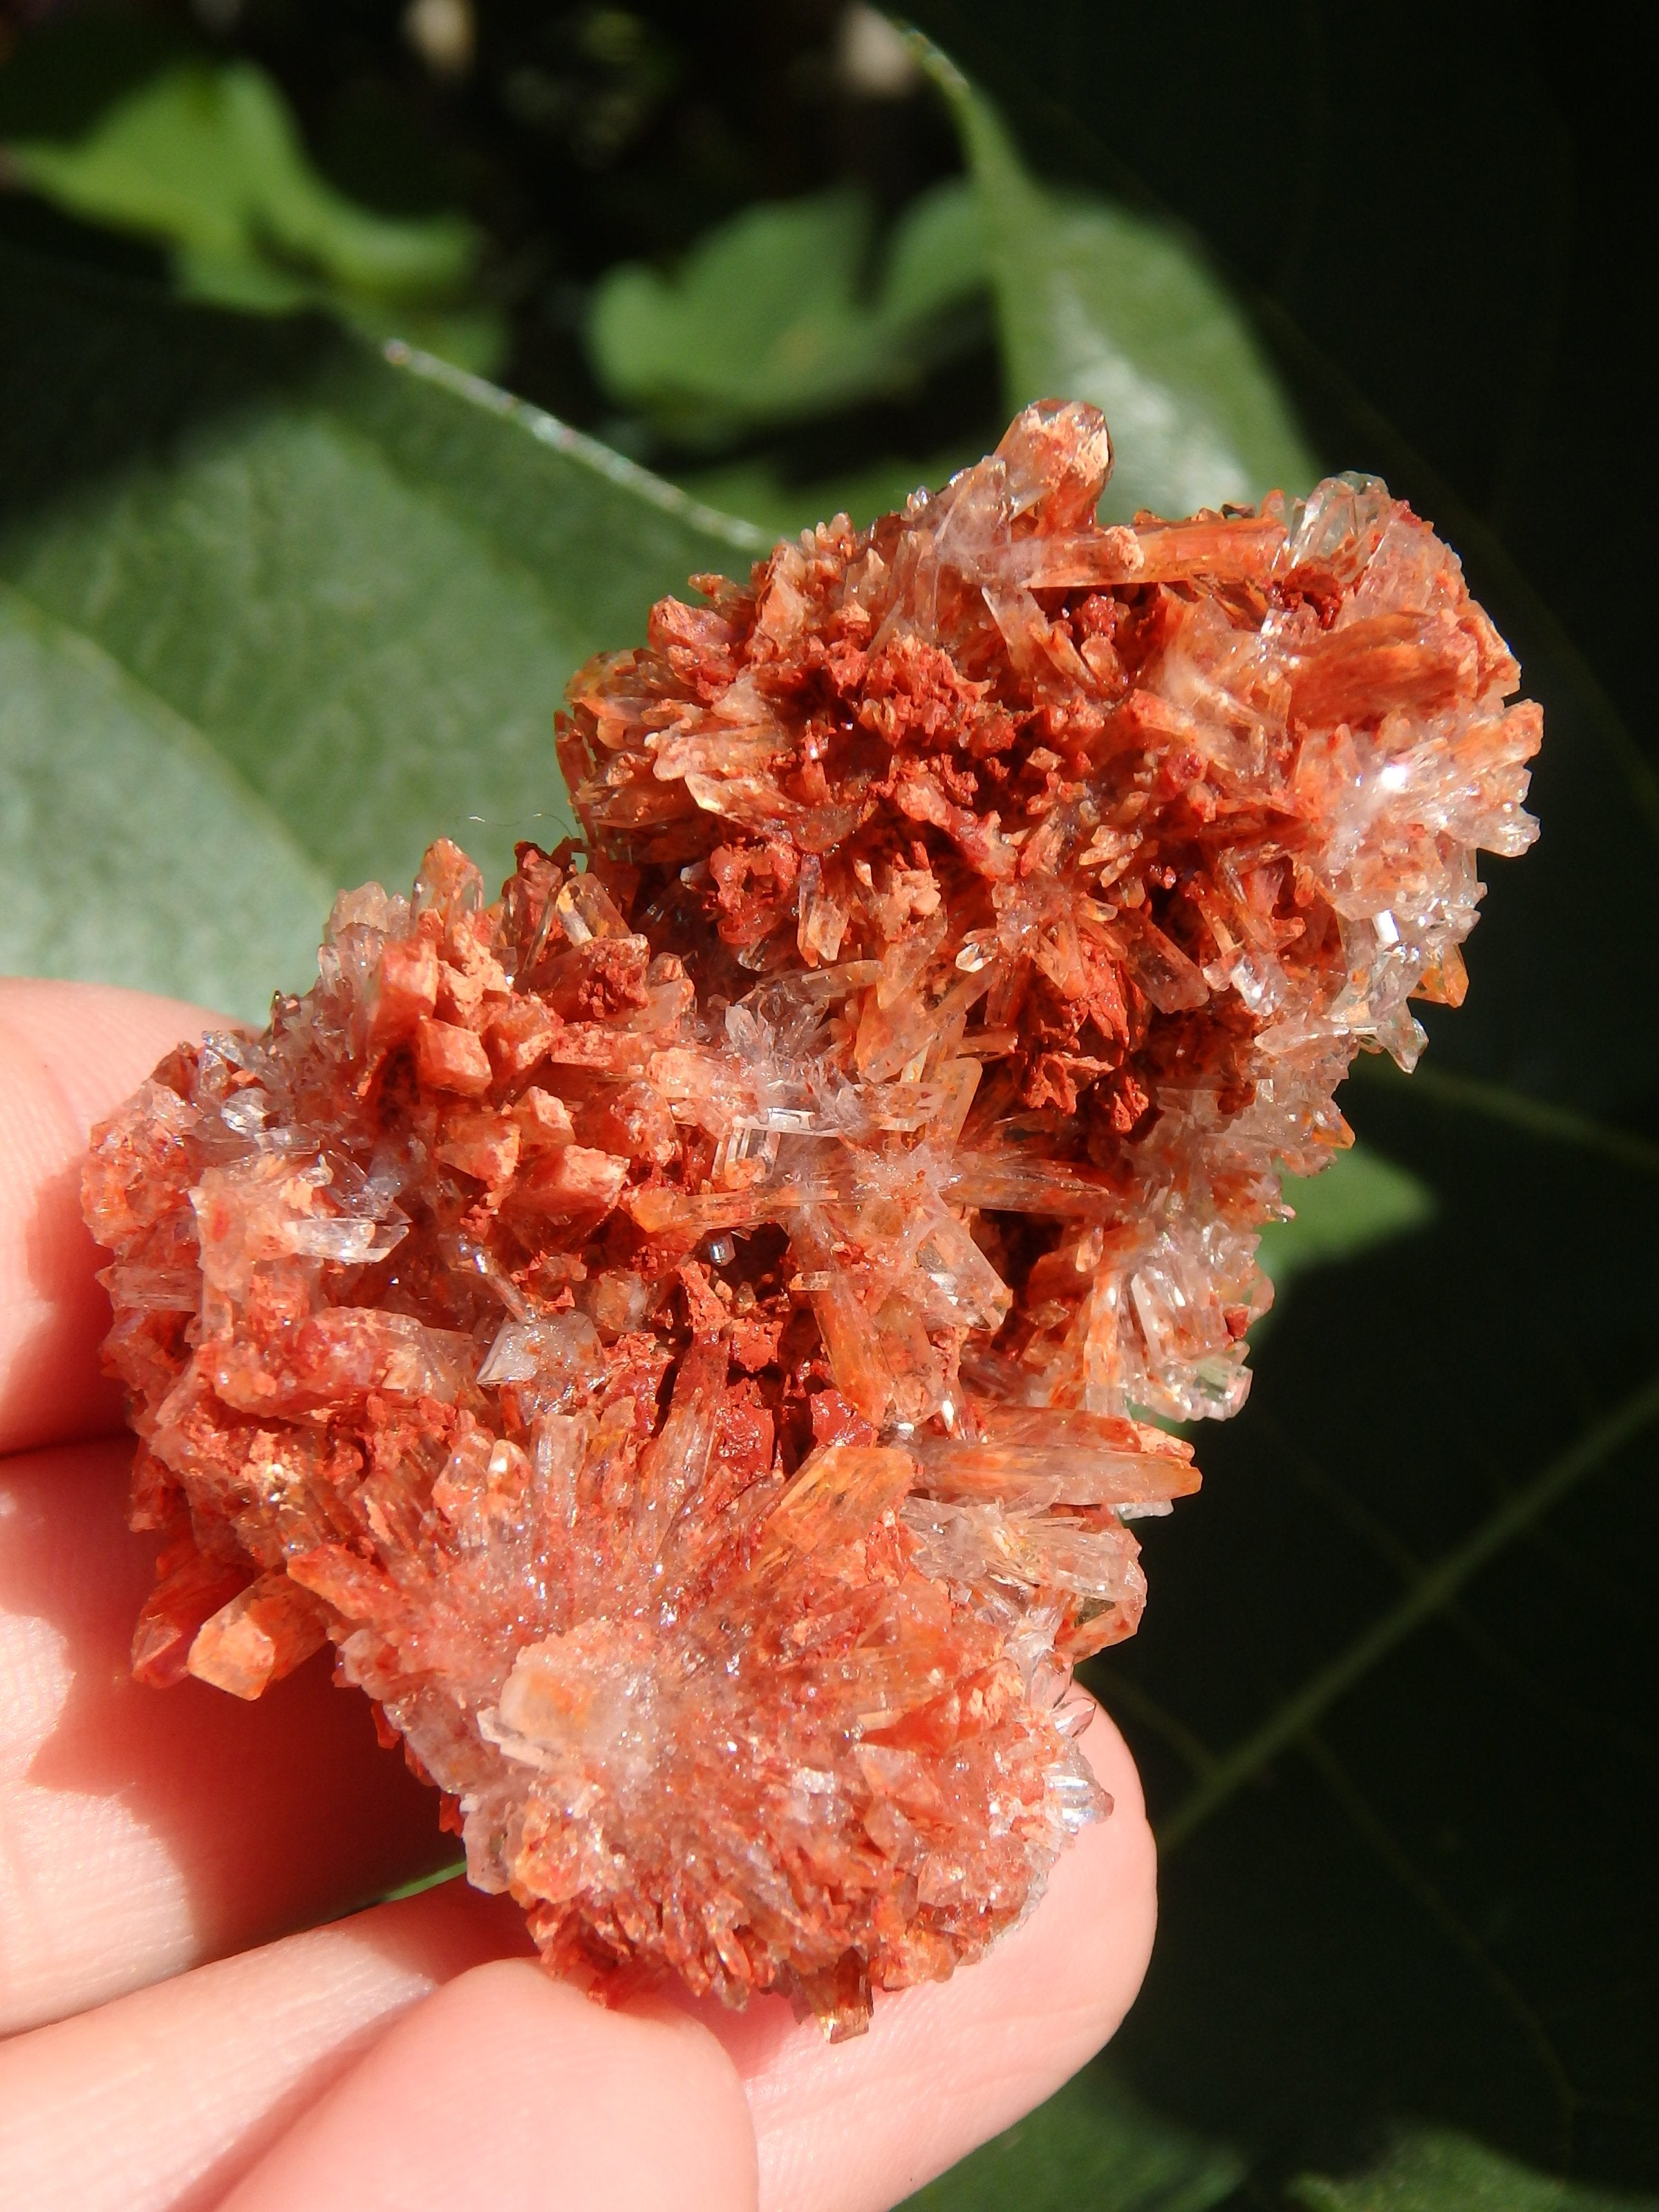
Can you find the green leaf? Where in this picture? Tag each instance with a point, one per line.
(1434, 2170)
(936, 255)
(1093, 2146)
(291, 609)
(1097, 303)
(768, 319)
(206, 160)
(766, 324)
(1358, 1200)
(127, 850)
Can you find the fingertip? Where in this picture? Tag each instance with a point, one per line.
(97, 1041)
(167, 2095)
(509, 2087)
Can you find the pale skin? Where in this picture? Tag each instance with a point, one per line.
(198, 2016)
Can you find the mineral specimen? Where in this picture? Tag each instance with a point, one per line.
(689, 1332)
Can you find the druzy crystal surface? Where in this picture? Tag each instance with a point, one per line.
(691, 1330)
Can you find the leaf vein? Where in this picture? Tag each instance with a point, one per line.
(1428, 1596)
(1427, 1894)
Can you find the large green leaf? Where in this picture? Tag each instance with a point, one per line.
(128, 851)
(1098, 303)
(311, 605)
(1434, 2170)
(771, 318)
(206, 160)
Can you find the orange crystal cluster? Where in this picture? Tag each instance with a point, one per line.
(687, 1331)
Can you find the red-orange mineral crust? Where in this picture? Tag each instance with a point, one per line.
(685, 1331)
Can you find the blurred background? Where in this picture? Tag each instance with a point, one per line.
(289, 583)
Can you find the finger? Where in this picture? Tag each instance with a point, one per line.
(143, 1831)
(69, 1052)
(509, 2088)
(856, 2126)
(165, 2098)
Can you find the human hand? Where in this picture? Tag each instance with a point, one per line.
(173, 2043)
